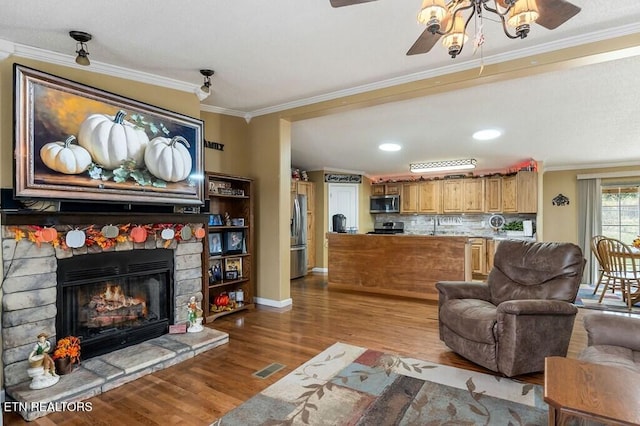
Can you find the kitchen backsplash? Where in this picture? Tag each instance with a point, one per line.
(476, 225)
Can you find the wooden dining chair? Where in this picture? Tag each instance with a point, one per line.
(620, 266)
(596, 253)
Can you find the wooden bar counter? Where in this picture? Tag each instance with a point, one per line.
(402, 265)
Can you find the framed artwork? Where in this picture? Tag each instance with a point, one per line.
(215, 243)
(216, 271)
(231, 275)
(233, 264)
(215, 220)
(234, 242)
(76, 142)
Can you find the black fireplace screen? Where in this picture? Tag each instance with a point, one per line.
(116, 299)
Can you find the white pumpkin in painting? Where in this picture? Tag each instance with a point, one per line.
(112, 140)
(65, 157)
(168, 159)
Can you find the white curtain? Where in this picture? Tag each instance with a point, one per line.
(589, 223)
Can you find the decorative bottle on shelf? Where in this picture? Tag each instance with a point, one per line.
(239, 297)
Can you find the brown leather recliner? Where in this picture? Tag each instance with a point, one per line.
(522, 314)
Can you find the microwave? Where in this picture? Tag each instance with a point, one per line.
(384, 204)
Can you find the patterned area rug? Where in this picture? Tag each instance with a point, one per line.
(350, 385)
(611, 302)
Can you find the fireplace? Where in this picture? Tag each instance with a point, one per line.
(115, 299)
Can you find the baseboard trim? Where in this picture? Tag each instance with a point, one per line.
(320, 270)
(274, 303)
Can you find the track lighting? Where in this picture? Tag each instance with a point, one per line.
(204, 91)
(81, 48)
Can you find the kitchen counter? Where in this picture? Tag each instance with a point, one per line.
(402, 265)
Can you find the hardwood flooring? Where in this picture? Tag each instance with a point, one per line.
(199, 390)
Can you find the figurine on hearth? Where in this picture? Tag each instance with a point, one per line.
(42, 369)
(194, 316)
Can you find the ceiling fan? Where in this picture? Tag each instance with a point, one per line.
(445, 18)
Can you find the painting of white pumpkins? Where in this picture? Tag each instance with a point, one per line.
(78, 142)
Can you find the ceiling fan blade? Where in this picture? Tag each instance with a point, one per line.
(340, 3)
(424, 43)
(554, 13)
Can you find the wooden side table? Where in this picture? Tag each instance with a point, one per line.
(574, 388)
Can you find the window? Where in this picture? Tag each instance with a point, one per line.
(621, 212)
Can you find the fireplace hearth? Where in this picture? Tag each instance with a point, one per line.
(114, 304)
(115, 299)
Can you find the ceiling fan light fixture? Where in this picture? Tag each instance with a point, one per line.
(521, 15)
(442, 166)
(82, 50)
(432, 13)
(455, 39)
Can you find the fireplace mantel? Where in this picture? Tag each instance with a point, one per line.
(12, 218)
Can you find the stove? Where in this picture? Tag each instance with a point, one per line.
(388, 228)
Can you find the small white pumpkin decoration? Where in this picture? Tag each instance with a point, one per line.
(167, 234)
(112, 140)
(75, 238)
(110, 231)
(64, 157)
(167, 159)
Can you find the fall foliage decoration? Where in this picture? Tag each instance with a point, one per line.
(68, 347)
(106, 236)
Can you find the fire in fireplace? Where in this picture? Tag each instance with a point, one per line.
(115, 299)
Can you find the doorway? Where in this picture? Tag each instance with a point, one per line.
(343, 198)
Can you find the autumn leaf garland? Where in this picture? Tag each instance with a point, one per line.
(94, 235)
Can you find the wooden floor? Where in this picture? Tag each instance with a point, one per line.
(198, 391)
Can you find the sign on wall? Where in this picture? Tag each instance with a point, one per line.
(342, 178)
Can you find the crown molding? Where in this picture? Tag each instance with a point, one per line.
(8, 48)
(458, 67)
(225, 111)
(48, 56)
(585, 166)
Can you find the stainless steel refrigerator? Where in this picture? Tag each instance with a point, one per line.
(298, 236)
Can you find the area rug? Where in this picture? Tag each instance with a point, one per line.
(611, 302)
(350, 385)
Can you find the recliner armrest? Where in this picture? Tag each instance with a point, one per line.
(462, 290)
(537, 307)
(613, 330)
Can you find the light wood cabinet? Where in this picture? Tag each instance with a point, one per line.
(452, 196)
(520, 193)
(473, 195)
(492, 245)
(308, 189)
(409, 198)
(527, 192)
(386, 189)
(478, 256)
(430, 197)
(463, 196)
(422, 197)
(493, 194)
(377, 189)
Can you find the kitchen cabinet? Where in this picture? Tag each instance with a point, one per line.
(478, 256)
(386, 189)
(308, 189)
(520, 192)
(409, 198)
(421, 197)
(430, 197)
(452, 196)
(463, 195)
(232, 196)
(492, 245)
(493, 194)
(473, 195)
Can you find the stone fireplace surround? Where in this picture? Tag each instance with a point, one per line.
(29, 283)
